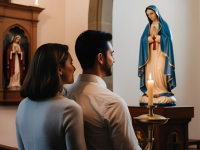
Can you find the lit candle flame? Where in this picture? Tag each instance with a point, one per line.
(150, 76)
(36, 1)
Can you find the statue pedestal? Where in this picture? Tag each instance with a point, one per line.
(10, 97)
(173, 134)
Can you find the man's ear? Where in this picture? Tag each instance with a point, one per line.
(100, 58)
(59, 69)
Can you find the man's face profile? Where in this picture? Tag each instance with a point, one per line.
(109, 60)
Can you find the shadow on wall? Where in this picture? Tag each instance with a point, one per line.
(100, 18)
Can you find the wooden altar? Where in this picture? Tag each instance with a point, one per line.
(25, 18)
(171, 136)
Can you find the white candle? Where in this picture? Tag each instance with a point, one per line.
(36, 3)
(150, 90)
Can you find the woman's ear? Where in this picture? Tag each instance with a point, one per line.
(100, 58)
(59, 69)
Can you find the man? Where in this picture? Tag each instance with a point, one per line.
(107, 121)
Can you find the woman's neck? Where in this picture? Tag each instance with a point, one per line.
(156, 21)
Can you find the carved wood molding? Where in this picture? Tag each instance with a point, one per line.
(34, 24)
(21, 7)
(8, 1)
(4, 147)
(21, 27)
(1, 19)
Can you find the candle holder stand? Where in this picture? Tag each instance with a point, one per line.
(150, 119)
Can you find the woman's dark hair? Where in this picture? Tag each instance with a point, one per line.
(89, 44)
(43, 80)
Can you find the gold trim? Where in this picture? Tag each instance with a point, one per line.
(170, 79)
(166, 55)
(141, 86)
(160, 27)
(171, 65)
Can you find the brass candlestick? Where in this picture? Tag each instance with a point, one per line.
(150, 120)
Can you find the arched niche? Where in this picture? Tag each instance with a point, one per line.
(25, 40)
(22, 19)
(100, 18)
(20, 27)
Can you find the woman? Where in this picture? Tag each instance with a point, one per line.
(46, 120)
(15, 63)
(157, 58)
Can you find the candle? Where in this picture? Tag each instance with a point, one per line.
(36, 3)
(150, 90)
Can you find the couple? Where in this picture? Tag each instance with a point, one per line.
(48, 121)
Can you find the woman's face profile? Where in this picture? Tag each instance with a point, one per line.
(68, 71)
(151, 14)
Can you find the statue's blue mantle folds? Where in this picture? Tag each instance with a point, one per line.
(166, 47)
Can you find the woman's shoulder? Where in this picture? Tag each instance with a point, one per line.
(69, 106)
(66, 102)
(57, 101)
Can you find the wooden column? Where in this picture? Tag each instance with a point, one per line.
(1, 52)
(34, 39)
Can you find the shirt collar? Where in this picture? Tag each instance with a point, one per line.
(92, 78)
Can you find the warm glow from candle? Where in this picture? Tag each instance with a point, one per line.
(36, 3)
(150, 76)
(150, 90)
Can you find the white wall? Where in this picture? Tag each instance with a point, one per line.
(182, 16)
(61, 22)
(76, 22)
(7, 125)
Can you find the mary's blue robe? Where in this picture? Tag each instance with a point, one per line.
(167, 49)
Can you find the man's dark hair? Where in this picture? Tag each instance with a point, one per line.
(43, 80)
(89, 44)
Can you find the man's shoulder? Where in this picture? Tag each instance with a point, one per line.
(93, 90)
(110, 97)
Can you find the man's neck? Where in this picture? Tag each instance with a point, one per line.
(93, 72)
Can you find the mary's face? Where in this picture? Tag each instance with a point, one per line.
(17, 40)
(151, 14)
(109, 60)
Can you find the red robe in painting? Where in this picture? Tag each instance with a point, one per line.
(11, 62)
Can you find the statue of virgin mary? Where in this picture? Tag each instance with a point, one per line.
(156, 57)
(15, 63)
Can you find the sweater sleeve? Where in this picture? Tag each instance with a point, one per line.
(19, 139)
(73, 126)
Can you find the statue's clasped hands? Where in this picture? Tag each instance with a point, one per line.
(151, 40)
